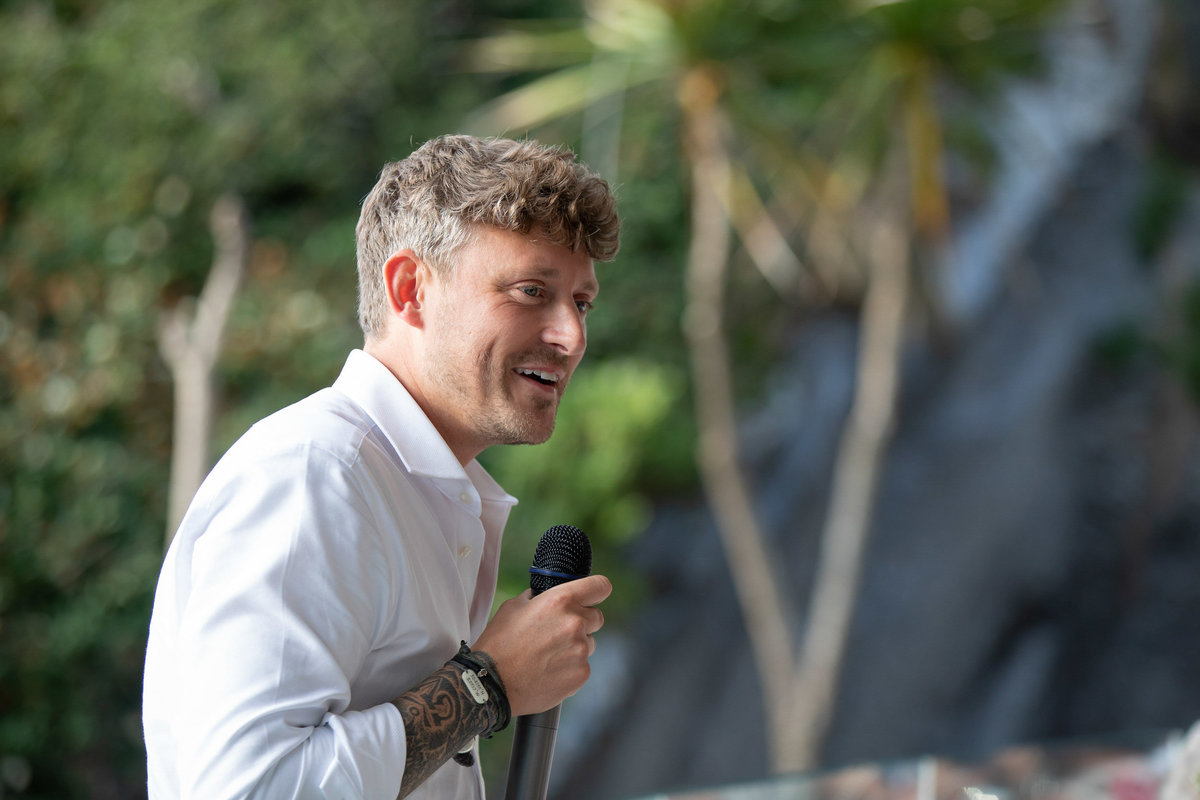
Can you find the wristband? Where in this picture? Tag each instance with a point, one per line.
(483, 683)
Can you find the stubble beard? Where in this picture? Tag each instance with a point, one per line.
(508, 423)
(499, 419)
(516, 427)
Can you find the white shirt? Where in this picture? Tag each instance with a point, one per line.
(332, 560)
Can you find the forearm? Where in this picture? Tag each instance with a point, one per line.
(440, 718)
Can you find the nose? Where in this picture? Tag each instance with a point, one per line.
(566, 329)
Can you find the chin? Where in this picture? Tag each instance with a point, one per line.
(522, 432)
(532, 437)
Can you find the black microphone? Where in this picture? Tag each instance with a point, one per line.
(563, 554)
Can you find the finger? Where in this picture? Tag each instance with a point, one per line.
(588, 591)
(595, 620)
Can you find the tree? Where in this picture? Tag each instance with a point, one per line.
(122, 124)
(190, 342)
(820, 118)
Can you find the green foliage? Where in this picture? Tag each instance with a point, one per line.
(120, 124)
(1182, 352)
(612, 452)
(78, 559)
(1163, 199)
(1119, 347)
(1175, 348)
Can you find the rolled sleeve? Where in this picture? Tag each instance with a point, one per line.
(350, 773)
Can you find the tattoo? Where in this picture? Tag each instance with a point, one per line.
(440, 717)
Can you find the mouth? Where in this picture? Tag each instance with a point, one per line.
(543, 377)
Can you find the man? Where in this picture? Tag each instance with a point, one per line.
(311, 606)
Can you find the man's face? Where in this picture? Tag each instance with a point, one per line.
(504, 331)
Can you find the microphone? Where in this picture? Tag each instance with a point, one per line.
(563, 554)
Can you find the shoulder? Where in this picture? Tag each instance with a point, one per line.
(320, 458)
(326, 421)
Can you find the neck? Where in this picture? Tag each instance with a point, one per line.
(393, 356)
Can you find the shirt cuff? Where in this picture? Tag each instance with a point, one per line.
(369, 753)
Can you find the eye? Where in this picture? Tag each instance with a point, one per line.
(532, 291)
(584, 306)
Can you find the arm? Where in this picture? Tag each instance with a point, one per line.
(440, 718)
(286, 590)
(269, 625)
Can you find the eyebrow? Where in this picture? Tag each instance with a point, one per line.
(546, 273)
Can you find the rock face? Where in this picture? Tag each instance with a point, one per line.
(1034, 565)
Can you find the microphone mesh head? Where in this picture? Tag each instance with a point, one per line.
(564, 549)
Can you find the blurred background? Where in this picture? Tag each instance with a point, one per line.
(887, 433)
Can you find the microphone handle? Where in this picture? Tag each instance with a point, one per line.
(532, 752)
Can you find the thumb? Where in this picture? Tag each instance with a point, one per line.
(587, 592)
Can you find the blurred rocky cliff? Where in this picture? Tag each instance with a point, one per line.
(1034, 563)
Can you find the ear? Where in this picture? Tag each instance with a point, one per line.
(404, 277)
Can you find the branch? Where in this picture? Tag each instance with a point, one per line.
(859, 462)
(190, 337)
(757, 587)
(765, 243)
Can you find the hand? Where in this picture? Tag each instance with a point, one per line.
(541, 645)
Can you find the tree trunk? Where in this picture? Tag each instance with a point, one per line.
(190, 339)
(757, 587)
(860, 458)
(798, 697)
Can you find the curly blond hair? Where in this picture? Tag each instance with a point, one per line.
(432, 201)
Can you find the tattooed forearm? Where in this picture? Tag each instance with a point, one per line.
(439, 719)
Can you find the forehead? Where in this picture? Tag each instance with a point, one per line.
(496, 253)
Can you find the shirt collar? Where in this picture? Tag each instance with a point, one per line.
(366, 381)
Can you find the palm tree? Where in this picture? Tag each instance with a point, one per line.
(816, 122)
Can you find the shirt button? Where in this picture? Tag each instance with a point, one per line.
(464, 551)
(464, 497)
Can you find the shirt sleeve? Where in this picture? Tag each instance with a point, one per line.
(289, 585)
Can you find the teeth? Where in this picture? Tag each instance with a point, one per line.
(545, 376)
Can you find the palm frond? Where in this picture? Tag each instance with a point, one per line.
(567, 91)
(527, 48)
